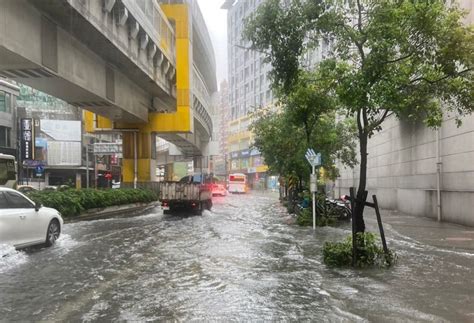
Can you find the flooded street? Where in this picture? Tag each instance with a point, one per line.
(239, 262)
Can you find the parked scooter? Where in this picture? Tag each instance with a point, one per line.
(340, 208)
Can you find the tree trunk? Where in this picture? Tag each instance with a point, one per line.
(361, 196)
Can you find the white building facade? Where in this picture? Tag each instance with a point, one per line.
(249, 89)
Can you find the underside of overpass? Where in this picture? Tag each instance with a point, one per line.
(130, 64)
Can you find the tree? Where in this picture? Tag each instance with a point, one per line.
(306, 119)
(410, 59)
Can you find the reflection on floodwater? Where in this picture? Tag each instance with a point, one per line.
(241, 261)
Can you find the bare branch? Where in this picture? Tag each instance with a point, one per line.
(399, 59)
(387, 113)
(359, 22)
(440, 79)
(251, 49)
(360, 44)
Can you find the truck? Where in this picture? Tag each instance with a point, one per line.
(187, 195)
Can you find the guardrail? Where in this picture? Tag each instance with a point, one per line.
(204, 101)
(200, 89)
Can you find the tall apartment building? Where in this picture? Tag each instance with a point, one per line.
(222, 117)
(249, 89)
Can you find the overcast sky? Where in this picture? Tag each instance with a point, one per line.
(216, 21)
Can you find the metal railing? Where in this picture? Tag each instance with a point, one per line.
(154, 22)
(201, 108)
(200, 89)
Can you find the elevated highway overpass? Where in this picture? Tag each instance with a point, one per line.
(134, 65)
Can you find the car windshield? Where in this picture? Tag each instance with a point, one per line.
(198, 178)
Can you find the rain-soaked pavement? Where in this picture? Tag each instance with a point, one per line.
(239, 262)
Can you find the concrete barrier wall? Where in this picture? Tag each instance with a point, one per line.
(402, 169)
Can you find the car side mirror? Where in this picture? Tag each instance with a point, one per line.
(37, 206)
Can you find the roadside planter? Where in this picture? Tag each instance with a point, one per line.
(74, 203)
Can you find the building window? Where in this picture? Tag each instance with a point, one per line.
(244, 163)
(235, 164)
(244, 144)
(5, 102)
(5, 137)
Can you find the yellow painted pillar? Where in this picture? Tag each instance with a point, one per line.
(88, 118)
(128, 160)
(179, 122)
(146, 159)
(182, 120)
(93, 122)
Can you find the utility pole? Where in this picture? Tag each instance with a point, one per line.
(314, 187)
(87, 165)
(135, 160)
(314, 160)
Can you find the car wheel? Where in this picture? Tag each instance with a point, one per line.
(53, 233)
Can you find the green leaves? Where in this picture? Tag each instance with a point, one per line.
(73, 202)
(398, 56)
(369, 253)
(280, 28)
(410, 59)
(306, 119)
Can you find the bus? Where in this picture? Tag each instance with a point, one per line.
(7, 171)
(237, 183)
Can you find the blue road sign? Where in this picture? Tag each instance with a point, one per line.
(313, 158)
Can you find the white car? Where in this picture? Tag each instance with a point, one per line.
(24, 223)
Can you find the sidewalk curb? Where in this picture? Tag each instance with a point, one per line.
(425, 230)
(126, 210)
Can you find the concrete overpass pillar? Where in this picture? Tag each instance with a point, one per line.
(197, 163)
(182, 120)
(140, 135)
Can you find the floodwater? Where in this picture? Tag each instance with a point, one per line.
(239, 262)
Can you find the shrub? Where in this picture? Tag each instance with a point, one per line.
(305, 218)
(72, 202)
(369, 254)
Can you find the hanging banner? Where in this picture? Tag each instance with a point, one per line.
(27, 137)
(41, 149)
